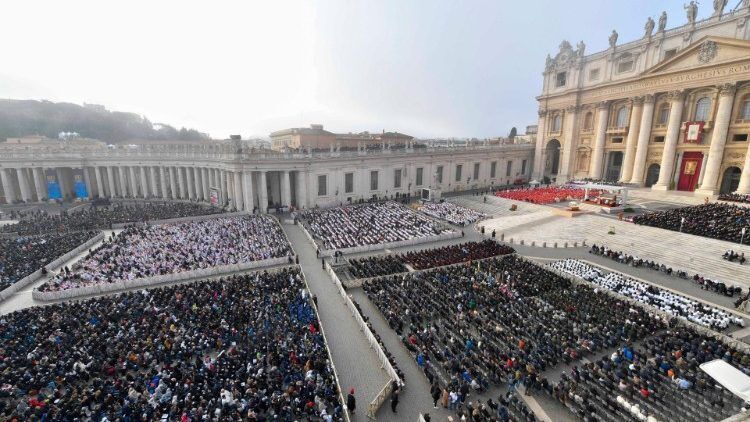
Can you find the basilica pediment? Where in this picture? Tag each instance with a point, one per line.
(706, 52)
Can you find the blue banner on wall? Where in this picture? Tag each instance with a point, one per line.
(53, 186)
(79, 184)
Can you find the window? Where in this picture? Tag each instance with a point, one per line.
(523, 167)
(556, 123)
(588, 121)
(439, 174)
(348, 182)
(622, 117)
(663, 114)
(459, 168)
(745, 110)
(476, 171)
(617, 140)
(373, 180)
(702, 107)
(397, 178)
(740, 137)
(509, 168)
(658, 139)
(322, 185)
(493, 169)
(420, 172)
(670, 53)
(561, 79)
(594, 74)
(624, 66)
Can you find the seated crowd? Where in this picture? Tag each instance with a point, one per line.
(367, 224)
(472, 327)
(247, 347)
(373, 266)
(716, 220)
(634, 261)
(103, 217)
(22, 256)
(454, 254)
(546, 194)
(672, 303)
(142, 252)
(734, 197)
(452, 213)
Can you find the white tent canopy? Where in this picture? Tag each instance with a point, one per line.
(730, 377)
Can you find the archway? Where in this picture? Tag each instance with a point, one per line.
(652, 175)
(731, 180)
(614, 166)
(552, 162)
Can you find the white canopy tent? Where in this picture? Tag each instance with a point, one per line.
(729, 377)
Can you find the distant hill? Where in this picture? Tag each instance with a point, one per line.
(29, 117)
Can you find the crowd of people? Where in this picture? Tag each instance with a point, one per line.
(716, 220)
(734, 197)
(452, 213)
(367, 224)
(248, 347)
(546, 194)
(502, 320)
(454, 254)
(672, 303)
(634, 261)
(21, 256)
(92, 217)
(373, 266)
(153, 250)
(733, 256)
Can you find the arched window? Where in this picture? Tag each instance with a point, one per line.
(588, 121)
(556, 123)
(745, 108)
(702, 107)
(663, 114)
(622, 117)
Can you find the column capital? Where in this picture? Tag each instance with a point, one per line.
(676, 95)
(637, 100)
(542, 112)
(728, 89)
(602, 105)
(649, 98)
(572, 109)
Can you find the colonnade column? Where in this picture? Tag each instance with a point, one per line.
(206, 192)
(190, 182)
(144, 182)
(644, 135)
(198, 186)
(677, 100)
(286, 189)
(39, 182)
(133, 182)
(239, 202)
(744, 186)
(262, 193)
(8, 188)
(247, 185)
(173, 183)
(569, 145)
(99, 186)
(630, 144)
(302, 189)
(163, 182)
(123, 182)
(710, 183)
(182, 181)
(597, 155)
(154, 182)
(224, 185)
(538, 148)
(23, 184)
(111, 182)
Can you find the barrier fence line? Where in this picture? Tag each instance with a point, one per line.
(373, 407)
(181, 219)
(345, 411)
(36, 275)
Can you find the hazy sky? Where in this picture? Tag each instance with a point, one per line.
(427, 68)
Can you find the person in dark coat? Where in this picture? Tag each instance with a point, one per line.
(394, 400)
(351, 401)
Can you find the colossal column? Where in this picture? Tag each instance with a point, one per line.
(40, 182)
(23, 184)
(163, 182)
(238, 200)
(677, 100)
(302, 189)
(539, 146)
(154, 182)
(286, 189)
(247, 185)
(718, 140)
(630, 144)
(99, 182)
(8, 188)
(111, 182)
(262, 193)
(144, 182)
(569, 144)
(644, 134)
(597, 155)
(173, 182)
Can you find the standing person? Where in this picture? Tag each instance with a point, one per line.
(394, 398)
(436, 393)
(351, 402)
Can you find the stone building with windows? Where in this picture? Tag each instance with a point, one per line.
(670, 110)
